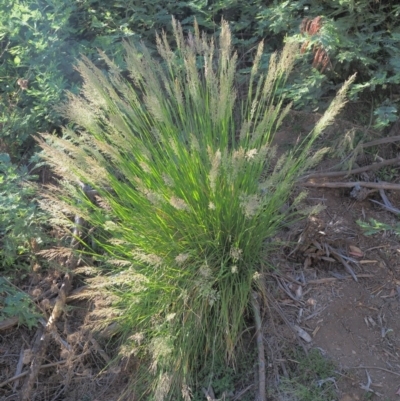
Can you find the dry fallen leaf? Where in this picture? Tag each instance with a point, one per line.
(311, 302)
(355, 251)
(23, 83)
(303, 334)
(314, 333)
(328, 259)
(28, 355)
(366, 261)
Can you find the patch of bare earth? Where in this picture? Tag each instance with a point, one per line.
(339, 291)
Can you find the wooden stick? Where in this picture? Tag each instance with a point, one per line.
(376, 185)
(11, 379)
(242, 392)
(343, 262)
(7, 323)
(329, 279)
(375, 367)
(38, 350)
(209, 393)
(19, 367)
(386, 203)
(371, 167)
(260, 346)
(102, 353)
(388, 139)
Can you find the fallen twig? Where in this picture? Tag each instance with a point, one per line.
(8, 323)
(209, 393)
(375, 367)
(260, 346)
(371, 167)
(386, 203)
(11, 379)
(388, 139)
(329, 279)
(19, 367)
(367, 387)
(284, 288)
(342, 260)
(40, 345)
(242, 393)
(377, 185)
(102, 353)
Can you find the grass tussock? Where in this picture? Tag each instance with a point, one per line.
(190, 190)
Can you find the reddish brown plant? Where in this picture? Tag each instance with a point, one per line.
(312, 27)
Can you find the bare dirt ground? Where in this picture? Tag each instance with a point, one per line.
(355, 324)
(351, 315)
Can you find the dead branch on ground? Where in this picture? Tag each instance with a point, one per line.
(386, 203)
(260, 345)
(371, 167)
(23, 374)
(8, 323)
(375, 185)
(43, 337)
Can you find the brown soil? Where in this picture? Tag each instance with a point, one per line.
(355, 324)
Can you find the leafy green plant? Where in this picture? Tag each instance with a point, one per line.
(312, 378)
(385, 114)
(15, 303)
(21, 221)
(374, 226)
(357, 36)
(40, 39)
(188, 189)
(226, 380)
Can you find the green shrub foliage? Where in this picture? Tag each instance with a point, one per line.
(39, 40)
(21, 221)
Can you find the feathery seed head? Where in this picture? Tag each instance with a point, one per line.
(236, 253)
(250, 154)
(181, 258)
(178, 203)
(186, 392)
(215, 163)
(164, 382)
(250, 204)
(137, 338)
(150, 259)
(145, 167)
(170, 317)
(154, 198)
(167, 180)
(205, 271)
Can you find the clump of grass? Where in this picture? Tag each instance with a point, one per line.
(189, 190)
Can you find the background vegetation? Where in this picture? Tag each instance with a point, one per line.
(41, 39)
